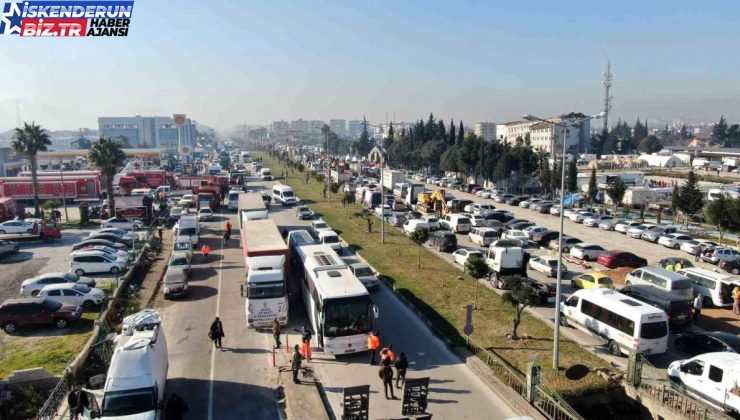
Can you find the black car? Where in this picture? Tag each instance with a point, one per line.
(514, 221)
(102, 242)
(674, 260)
(500, 216)
(544, 238)
(700, 343)
(520, 225)
(514, 201)
(443, 241)
(111, 237)
(732, 266)
(545, 292)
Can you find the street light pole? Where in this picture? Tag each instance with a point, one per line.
(558, 288)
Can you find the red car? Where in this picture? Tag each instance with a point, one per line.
(614, 259)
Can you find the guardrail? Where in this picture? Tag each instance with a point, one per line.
(547, 401)
(49, 409)
(680, 403)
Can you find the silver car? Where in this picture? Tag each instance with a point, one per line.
(7, 247)
(366, 275)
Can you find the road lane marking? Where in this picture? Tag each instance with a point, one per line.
(213, 349)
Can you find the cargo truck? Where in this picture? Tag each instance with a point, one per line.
(391, 178)
(251, 206)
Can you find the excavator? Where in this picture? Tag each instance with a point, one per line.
(433, 202)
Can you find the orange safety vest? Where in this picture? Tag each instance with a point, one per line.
(206, 249)
(736, 294)
(387, 353)
(373, 342)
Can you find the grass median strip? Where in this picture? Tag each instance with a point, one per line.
(443, 293)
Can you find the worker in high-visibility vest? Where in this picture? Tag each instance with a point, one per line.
(373, 342)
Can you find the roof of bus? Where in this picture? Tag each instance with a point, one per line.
(320, 257)
(333, 276)
(617, 302)
(263, 235)
(251, 201)
(300, 237)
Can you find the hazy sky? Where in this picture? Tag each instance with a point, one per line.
(229, 62)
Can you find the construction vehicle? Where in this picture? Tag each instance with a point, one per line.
(432, 202)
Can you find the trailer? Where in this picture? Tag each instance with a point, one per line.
(391, 178)
(251, 206)
(261, 238)
(50, 188)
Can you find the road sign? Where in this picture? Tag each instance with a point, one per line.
(179, 119)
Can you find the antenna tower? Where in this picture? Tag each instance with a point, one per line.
(607, 82)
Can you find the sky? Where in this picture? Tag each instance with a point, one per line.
(232, 62)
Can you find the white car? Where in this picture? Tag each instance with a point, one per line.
(475, 219)
(205, 214)
(695, 245)
(317, 226)
(674, 240)
(16, 226)
(594, 221)
(118, 253)
(432, 222)
(533, 230)
(483, 236)
(636, 231)
(483, 208)
(569, 212)
(82, 262)
(624, 226)
(411, 225)
(586, 251)
(34, 285)
(123, 223)
(461, 256)
(580, 217)
(186, 200)
(303, 212)
(547, 265)
(555, 210)
(516, 235)
(384, 210)
(74, 293)
(122, 233)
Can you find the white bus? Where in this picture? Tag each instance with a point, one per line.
(625, 323)
(337, 303)
(267, 297)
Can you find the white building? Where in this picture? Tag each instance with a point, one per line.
(355, 128)
(149, 132)
(339, 127)
(544, 136)
(485, 130)
(280, 127)
(299, 125)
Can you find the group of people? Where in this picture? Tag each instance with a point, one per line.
(387, 358)
(300, 352)
(674, 266)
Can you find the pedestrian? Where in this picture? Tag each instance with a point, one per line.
(697, 306)
(697, 255)
(736, 299)
(205, 250)
(217, 332)
(295, 364)
(176, 407)
(678, 266)
(72, 400)
(387, 354)
(228, 227)
(306, 343)
(276, 332)
(159, 231)
(670, 267)
(386, 375)
(227, 236)
(373, 342)
(401, 365)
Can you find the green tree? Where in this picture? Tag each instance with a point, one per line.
(460, 133)
(364, 144)
(690, 199)
(419, 236)
(593, 187)
(389, 139)
(572, 175)
(520, 296)
(452, 140)
(616, 191)
(107, 155)
(368, 217)
(448, 161)
(650, 144)
(719, 132)
(596, 144)
(640, 131)
(719, 214)
(28, 141)
(477, 268)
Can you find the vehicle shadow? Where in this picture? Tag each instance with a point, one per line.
(198, 292)
(228, 398)
(82, 325)
(15, 258)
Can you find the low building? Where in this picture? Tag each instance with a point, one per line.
(149, 132)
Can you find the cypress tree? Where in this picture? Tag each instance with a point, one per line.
(461, 133)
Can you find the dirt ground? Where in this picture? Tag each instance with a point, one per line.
(14, 271)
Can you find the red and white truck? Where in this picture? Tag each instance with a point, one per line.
(8, 208)
(21, 188)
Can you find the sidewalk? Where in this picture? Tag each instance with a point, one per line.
(303, 400)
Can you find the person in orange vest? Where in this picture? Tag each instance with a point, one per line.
(228, 227)
(387, 353)
(306, 343)
(373, 342)
(205, 251)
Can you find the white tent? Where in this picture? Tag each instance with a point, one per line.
(660, 161)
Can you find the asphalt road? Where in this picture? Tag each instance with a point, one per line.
(455, 391)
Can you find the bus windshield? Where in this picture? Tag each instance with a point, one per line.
(288, 193)
(267, 290)
(347, 316)
(653, 330)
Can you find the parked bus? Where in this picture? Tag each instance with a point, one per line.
(625, 323)
(337, 303)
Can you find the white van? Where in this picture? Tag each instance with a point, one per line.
(711, 377)
(715, 287)
(457, 223)
(135, 383)
(283, 194)
(668, 281)
(625, 323)
(188, 226)
(329, 237)
(266, 174)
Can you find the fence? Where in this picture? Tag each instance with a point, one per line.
(680, 403)
(98, 344)
(547, 401)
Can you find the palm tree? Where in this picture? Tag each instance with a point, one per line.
(29, 141)
(107, 155)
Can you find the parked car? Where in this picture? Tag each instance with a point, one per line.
(544, 292)
(580, 217)
(544, 238)
(412, 215)
(533, 230)
(87, 243)
(636, 231)
(517, 236)
(695, 343)
(674, 240)
(443, 241)
(123, 223)
(432, 222)
(303, 212)
(654, 234)
(586, 251)
(568, 242)
(731, 266)
(366, 275)
(396, 219)
(592, 280)
(180, 259)
(483, 236)
(547, 265)
(614, 259)
(720, 369)
(720, 254)
(543, 208)
(526, 203)
(7, 247)
(127, 243)
(461, 256)
(73, 293)
(476, 219)
(83, 262)
(175, 283)
(16, 226)
(596, 220)
(625, 225)
(520, 225)
(122, 233)
(205, 214)
(34, 285)
(665, 262)
(609, 224)
(186, 201)
(411, 225)
(696, 246)
(15, 313)
(555, 210)
(504, 198)
(317, 226)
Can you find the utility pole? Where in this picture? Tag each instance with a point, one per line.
(607, 82)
